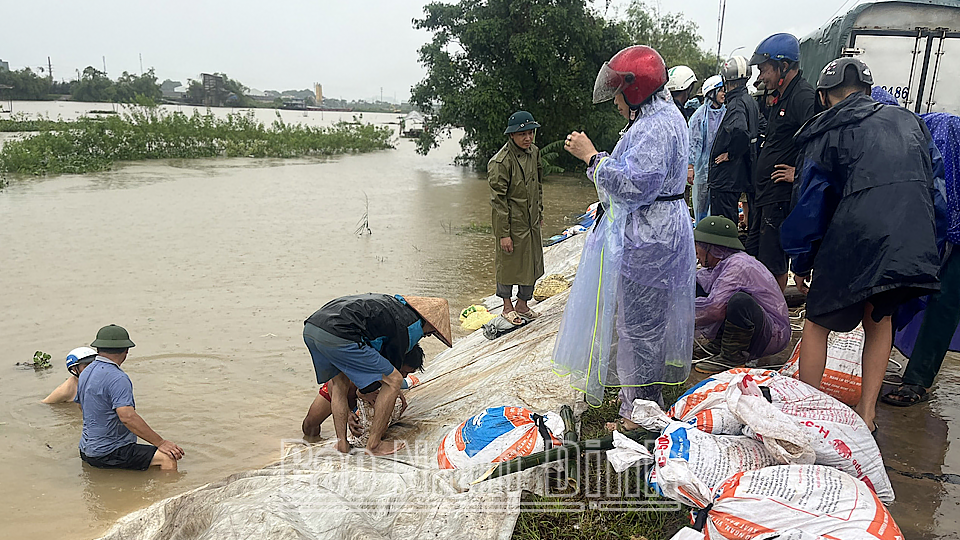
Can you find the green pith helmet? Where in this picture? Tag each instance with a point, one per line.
(520, 121)
(112, 337)
(719, 231)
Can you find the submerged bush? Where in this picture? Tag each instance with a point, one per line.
(95, 144)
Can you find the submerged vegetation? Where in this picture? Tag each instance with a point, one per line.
(95, 144)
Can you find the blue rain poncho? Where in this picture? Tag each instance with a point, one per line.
(636, 275)
(703, 129)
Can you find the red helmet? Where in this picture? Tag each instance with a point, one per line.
(638, 72)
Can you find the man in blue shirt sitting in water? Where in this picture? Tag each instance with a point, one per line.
(111, 424)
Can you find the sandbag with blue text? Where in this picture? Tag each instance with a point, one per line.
(499, 434)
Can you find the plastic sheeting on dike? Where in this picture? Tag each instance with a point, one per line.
(315, 492)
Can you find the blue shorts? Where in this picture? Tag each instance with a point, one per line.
(333, 355)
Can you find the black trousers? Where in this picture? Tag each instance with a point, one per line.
(742, 311)
(725, 203)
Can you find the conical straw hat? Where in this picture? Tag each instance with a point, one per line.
(435, 311)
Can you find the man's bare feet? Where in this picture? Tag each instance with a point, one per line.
(385, 448)
(343, 447)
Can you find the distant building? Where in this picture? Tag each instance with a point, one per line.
(259, 95)
(213, 91)
(173, 89)
(290, 102)
(4, 66)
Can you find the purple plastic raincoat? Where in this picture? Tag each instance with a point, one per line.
(742, 273)
(638, 266)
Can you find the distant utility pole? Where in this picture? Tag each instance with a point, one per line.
(381, 94)
(104, 66)
(141, 63)
(49, 68)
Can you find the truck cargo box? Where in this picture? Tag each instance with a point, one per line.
(911, 46)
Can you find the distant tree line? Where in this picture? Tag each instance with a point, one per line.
(93, 85)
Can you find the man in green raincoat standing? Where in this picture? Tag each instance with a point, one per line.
(515, 174)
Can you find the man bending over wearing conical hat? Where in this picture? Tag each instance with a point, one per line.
(362, 339)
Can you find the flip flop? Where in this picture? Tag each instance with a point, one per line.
(513, 318)
(531, 314)
(906, 395)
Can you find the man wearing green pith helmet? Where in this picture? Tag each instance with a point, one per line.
(739, 305)
(515, 175)
(111, 424)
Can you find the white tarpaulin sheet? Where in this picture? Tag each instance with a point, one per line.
(315, 492)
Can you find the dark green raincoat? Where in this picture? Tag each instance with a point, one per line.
(516, 193)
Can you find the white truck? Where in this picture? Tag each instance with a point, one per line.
(911, 46)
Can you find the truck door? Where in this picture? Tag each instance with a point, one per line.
(898, 60)
(943, 95)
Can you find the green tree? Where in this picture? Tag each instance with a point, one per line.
(488, 59)
(195, 92)
(25, 85)
(673, 36)
(93, 86)
(129, 87)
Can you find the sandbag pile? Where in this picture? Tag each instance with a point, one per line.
(758, 453)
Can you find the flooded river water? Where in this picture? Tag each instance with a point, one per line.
(213, 264)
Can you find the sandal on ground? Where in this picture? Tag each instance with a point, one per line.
(906, 395)
(513, 318)
(530, 314)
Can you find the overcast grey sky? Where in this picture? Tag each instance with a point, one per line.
(353, 48)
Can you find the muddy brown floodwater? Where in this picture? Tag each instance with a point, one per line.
(213, 264)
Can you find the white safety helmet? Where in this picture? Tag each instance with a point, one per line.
(80, 355)
(736, 68)
(712, 84)
(680, 78)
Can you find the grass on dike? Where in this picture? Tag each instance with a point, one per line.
(595, 524)
(140, 133)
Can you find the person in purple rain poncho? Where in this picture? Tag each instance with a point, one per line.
(646, 227)
(739, 304)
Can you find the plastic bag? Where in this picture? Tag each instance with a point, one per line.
(476, 320)
(705, 405)
(780, 434)
(498, 434)
(815, 499)
(836, 433)
(473, 317)
(842, 376)
(365, 414)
